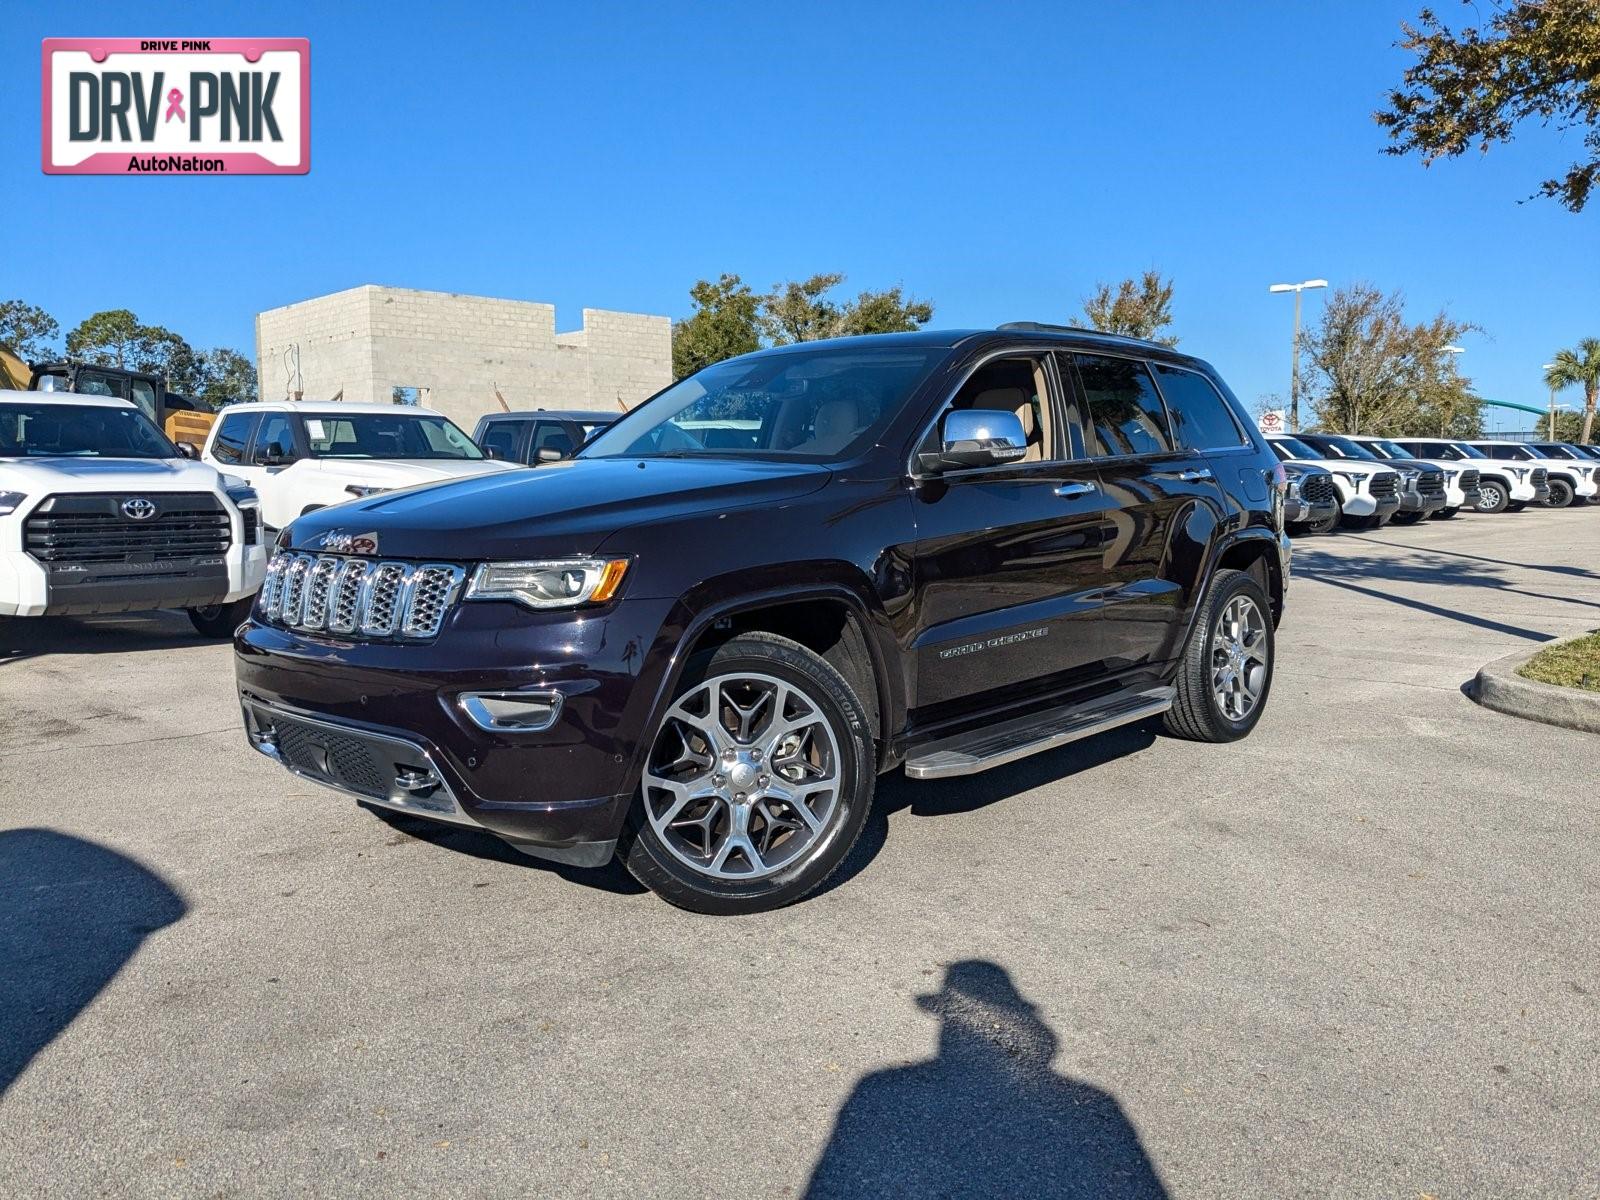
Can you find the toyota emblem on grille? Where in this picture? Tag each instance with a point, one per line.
(138, 509)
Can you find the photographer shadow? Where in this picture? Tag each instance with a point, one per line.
(987, 1117)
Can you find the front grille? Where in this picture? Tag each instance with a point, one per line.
(350, 762)
(1385, 485)
(1317, 489)
(1539, 477)
(358, 596)
(1431, 484)
(1469, 480)
(96, 529)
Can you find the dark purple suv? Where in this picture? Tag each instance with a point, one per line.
(698, 644)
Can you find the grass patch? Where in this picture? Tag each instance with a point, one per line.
(1574, 664)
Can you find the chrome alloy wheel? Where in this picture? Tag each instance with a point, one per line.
(744, 777)
(1239, 658)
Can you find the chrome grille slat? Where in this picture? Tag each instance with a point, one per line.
(359, 597)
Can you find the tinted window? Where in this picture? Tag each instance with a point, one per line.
(1125, 413)
(500, 439)
(276, 439)
(552, 435)
(1501, 452)
(1203, 419)
(233, 435)
(385, 435)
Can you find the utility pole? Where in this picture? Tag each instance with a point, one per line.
(1294, 367)
(1552, 434)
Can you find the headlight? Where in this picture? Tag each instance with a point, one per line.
(361, 489)
(9, 502)
(1294, 485)
(557, 583)
(242, 494)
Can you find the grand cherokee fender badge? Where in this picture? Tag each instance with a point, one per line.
(349, 543)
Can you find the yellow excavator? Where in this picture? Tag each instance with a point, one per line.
(184, 419)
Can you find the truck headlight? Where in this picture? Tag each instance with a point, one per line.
(242, 494)
(555, 583)
(9, 502)
(360, 489)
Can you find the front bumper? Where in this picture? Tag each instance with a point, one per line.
(560, 793)
(1297, 510)
(28, 588)
(1414, 501)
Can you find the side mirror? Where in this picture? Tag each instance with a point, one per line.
(546, 454)
(274, 456)
(978, 437)
(188, 450)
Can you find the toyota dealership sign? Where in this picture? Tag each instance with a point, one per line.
(177, 106)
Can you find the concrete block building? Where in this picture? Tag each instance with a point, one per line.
(450, 352)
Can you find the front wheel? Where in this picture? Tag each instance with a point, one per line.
(1492, 497)
(758, 781)
(1445, 514)
(1226, 672)
(1561, 494)
(220, 620)
(1406, 518)
(1328, 523)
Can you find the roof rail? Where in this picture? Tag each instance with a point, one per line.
(1043, 327)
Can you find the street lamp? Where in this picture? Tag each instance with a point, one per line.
(1294, 369)
(1443, 418)
(1548, 367)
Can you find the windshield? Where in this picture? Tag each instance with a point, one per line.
(1468, 451)
(79, 431)
(387, 435)
(811, 405)
(1288, 447)
(1338, 447)
(1387, 449)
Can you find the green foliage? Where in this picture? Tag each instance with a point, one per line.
(723, 325)
(116, 338)
(1367, 369)
(1574, 664)
(111, 338)
(1579, 367)
(26, 330)
(1139, 308)
(230, 378)
(729, 319)
(1535, 60)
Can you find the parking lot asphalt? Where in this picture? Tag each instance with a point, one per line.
(1353, 955)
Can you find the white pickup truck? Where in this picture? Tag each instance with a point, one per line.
(99, 513)
(302, 455)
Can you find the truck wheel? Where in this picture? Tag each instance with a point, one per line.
(1444, 514)
(758, 781)
(1492, 496)
(1406, 518)
(1561, 494)
(220, 620)
(1226, 672)
(1329, 523)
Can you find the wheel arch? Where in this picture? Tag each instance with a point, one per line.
(1255, 553)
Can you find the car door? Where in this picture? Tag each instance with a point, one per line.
(1005, 568)
(1162, 498)
(273, 450)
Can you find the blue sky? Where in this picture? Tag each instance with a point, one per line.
(995, 159)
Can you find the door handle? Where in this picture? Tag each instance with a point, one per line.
(1187, 475)
(1071, 491)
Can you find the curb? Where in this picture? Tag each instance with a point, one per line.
(1498, 686)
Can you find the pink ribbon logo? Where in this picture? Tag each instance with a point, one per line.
(175, 106)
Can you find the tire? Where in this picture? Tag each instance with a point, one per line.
(687, 817)
(1407, 518)
(1197, 712)
(1365, 523)
(1516, 506)
(1327, 524)
(1444, 514)
(1562, 493)
(220, 620)
(1492, 496)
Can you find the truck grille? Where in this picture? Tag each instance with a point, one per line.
(1317, 488)
(1385, 485)
(1431, 484)
(1468, 480)
(1539, 477)
(99, 529)
(357, 596)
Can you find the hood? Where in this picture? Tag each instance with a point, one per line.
(563, 508)
(36, 476)
(404, 472)
(1347, 466)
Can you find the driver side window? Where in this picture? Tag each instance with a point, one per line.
(274, 441)
(1016, 385)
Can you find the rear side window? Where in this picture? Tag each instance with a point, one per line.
(1124, 415)
(233, 435)
(1203, 419)
(1502, 452)
(500, 439)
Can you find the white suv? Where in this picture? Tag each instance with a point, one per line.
(100, 513)
(1570, 481)
(305, 455)
(1369, 492)
(1502, 486)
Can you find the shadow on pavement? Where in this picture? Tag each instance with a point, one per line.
(987, 1117)
(31, 637)
(71, 914)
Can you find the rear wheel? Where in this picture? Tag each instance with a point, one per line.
(1492, 496)
(1227, 669)
(1561, 494)
(758, 781)
(220, 620)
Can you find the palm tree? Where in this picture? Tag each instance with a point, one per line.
(1580, 366)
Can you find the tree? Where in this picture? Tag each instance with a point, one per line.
(230, 378)
(1535, 60)
(801, 311)
(723, 325)
(1369, 370)
(1138, 309)
(887, 311)
(1579, 368)
(110, 338)
(26, 329)
(159, 351)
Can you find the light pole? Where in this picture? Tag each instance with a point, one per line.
(1294, 368)
(1444, 417)
(1547, 367)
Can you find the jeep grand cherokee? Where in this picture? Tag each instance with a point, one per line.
(941, 551)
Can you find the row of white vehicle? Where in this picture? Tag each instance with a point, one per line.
(1372, 481)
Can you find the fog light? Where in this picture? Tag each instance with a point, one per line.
(512, 712)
